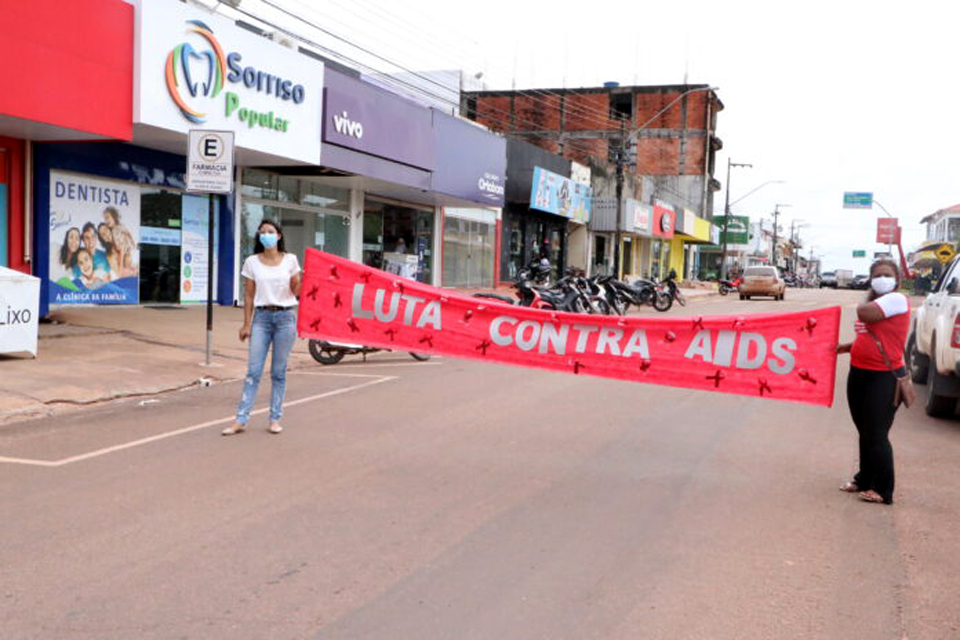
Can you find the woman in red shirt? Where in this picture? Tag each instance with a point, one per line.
(876, 360)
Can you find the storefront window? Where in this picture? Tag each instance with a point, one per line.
(311, 214)
(398, 239)
(468, 248)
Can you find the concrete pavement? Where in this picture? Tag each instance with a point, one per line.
(462, 500)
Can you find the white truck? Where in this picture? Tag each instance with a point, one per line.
(933, 348)
(844, 278)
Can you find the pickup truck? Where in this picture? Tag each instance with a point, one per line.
(933, 348)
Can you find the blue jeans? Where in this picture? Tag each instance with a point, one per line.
(269, 327)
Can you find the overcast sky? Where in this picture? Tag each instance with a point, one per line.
(828, 96)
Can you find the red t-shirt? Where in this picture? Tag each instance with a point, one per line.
(891, 331)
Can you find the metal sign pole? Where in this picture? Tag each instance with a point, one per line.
(211, 198)
(210, 171)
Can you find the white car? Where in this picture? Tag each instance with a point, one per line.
(933, 348)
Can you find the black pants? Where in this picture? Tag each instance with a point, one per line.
(870, 396)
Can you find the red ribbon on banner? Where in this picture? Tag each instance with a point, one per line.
(784, 356)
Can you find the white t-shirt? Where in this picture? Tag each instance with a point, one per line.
(273, 283)
(893, 304)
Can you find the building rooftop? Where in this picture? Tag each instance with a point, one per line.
(940, 212)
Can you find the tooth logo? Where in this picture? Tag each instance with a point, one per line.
(193, 74)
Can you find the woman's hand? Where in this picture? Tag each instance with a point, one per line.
(244, 332)
(844, 348)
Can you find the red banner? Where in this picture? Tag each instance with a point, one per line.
(789, 356)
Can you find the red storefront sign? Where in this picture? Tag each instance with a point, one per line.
(664, 221)
(789, 356)
(887, 231)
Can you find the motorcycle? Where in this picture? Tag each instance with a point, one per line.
(326, 352)
(671, 283)
(727, 286)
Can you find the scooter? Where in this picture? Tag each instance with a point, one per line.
(333, 352)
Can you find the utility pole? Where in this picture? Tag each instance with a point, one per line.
(616, 248)
(726, 216)
(776, 216)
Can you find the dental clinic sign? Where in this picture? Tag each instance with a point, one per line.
(195, 69)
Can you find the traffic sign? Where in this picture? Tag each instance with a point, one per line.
(857, 200)
(859, 253)
(210, 161)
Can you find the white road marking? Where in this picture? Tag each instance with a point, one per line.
(203, 425)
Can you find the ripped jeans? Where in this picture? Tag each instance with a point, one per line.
(278, 328)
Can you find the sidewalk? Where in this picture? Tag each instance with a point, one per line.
(97, 354)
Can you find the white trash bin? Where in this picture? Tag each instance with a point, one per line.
(19, 310)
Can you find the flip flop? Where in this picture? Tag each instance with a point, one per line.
(871, 496)
(850, 487)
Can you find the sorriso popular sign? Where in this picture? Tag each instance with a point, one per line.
(789, 356)
(197, 70)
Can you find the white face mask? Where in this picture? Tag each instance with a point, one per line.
(883, 284)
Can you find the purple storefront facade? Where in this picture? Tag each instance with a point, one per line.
(401, 186)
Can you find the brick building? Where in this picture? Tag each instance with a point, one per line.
(671, 164)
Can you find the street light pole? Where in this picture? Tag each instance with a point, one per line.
(776, 216)
(726, 217)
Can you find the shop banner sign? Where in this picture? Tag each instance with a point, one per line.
(790, 356)
(94, 224)
(194, 249)
(195, 69)
(664, 221)
(562, 196)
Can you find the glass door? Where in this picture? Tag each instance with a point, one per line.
(160, 231)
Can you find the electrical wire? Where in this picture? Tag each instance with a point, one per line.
(505, 121)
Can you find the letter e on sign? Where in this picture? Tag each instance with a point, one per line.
(210, 161)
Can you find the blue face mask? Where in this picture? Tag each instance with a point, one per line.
(268, 240)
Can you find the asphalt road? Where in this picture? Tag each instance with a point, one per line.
(455, 500)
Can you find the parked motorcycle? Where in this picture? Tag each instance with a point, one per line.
(671, 282)
(326, 352)
(727, 286)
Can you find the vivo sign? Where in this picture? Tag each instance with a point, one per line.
(345, 126)
(371, 120)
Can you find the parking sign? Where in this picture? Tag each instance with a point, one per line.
(210, 161)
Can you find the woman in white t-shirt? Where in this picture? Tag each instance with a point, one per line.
(271, 279)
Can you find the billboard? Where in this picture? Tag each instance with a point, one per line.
(888, 232)
(554, 193)
(94, 226)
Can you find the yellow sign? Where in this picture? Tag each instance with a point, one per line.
(945, 253)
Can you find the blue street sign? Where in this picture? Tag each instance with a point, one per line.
(857, 200)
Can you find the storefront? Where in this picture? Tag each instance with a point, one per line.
(271, 98)
(527, 231)
(471, 166)
(692, 232)
(663, 249)
(114, 226)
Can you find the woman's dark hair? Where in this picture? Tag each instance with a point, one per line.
(882, 262)
(114, 213)
(66, 259)
(258, 246)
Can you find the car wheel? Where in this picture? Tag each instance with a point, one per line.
(937, 406)
(917, 363)
(743, 297)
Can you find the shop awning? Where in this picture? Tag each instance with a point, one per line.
(694, 229)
